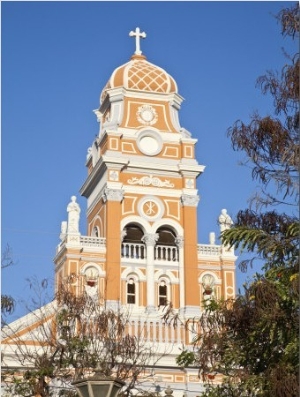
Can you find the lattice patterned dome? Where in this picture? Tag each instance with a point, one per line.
(141, 75)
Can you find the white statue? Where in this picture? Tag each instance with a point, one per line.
(225, 221)
(73, 210)
(63, 230)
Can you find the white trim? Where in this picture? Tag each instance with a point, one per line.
(160, 274)
(155, 200)
(217, 280)
(168, 222)
(97, 266)
(146, 227)
(130, 270)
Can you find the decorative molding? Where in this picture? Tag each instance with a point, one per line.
(113, 195)
(146, 115)
(189, 201)
(150, 239)
(113, 175)
(150, 180)
(179, 240)
(190, 183)
(151, 208)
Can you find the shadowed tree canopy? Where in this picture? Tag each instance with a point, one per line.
(252, 341)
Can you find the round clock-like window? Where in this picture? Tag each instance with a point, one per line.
(151, 208)
(149, 143)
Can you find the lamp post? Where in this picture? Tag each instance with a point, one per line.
(98, 386)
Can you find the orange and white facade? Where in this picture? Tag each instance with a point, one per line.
(140, 250)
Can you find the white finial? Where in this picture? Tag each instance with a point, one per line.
(138, 34)
(212, 238)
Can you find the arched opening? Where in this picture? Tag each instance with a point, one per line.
(162, 294)
(163, 291)
(132, 244)
(166, 248)
(131, 291)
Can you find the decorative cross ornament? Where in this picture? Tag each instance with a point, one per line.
(138, 34)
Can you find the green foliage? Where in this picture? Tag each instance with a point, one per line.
(253, 340)
(186, 358)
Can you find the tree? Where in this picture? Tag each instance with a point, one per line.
(253, 341)
(72, 337)
(7, 302)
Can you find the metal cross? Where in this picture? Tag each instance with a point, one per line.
(138, 34)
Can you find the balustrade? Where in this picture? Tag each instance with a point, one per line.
(138, 251)
(88, 241)
(153, 330)
(209, 249)
(133, 251)
(166, 253)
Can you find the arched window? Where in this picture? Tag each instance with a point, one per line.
(131, 292)
(208, 288)
(162, 293)
(91, 275)
(166, 248)
(132, 245)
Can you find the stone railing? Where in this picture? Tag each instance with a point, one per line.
(209, 250)
(133, 250)
(164, 253)
(155, 330)
(82, 242)
(88, 241)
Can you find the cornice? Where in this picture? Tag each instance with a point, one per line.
(99, 170)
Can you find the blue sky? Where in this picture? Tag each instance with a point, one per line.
(57, 57)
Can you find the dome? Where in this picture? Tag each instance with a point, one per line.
(141, 75)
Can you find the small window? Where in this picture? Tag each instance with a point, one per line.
(131, 291)
(162, 294)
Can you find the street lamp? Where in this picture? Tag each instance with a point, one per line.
(98, 386)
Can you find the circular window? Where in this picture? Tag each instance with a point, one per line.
(149, 143)
(151, 208)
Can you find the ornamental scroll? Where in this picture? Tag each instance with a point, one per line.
(150, 180)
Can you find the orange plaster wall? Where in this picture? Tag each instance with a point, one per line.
(130, 119)
(73, 267)
(175, 295)
(190, 256)
(99, 210)
(143, 293)
(113, 249)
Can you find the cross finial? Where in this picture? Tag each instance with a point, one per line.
(138, 34)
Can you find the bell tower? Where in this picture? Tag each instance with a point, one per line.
(141, 246)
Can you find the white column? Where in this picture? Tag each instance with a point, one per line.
(150, 240)
(179, 243)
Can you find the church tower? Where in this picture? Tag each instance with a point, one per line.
(141, 245)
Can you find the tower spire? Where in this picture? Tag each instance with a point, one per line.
(138, 35)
